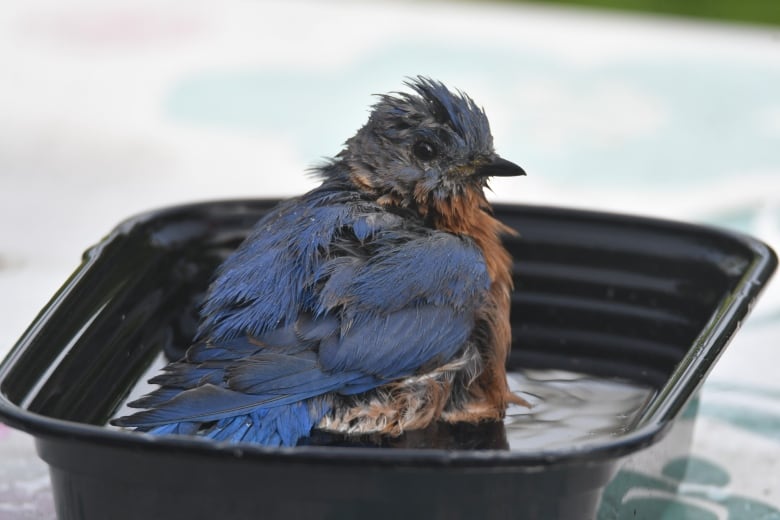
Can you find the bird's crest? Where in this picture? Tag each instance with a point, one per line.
(453, 109)
(456, 110)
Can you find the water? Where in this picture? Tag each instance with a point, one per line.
(568, 409)
(571, 409)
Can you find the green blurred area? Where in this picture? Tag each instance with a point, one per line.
(766, 12)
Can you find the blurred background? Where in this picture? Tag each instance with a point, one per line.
(655, 107)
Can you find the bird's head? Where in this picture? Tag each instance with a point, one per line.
(429, 145)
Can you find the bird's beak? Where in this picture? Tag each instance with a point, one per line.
(499, 168)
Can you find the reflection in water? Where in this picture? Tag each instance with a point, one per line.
(571, 409)
(484, 436)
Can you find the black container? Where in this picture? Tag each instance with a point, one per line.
(646, 300)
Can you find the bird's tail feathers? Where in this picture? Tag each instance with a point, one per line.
(281, 425)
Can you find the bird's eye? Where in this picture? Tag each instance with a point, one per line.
(424, 150)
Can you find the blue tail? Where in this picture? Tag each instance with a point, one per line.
(281, 425)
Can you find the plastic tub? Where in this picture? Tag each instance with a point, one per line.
(648, 301)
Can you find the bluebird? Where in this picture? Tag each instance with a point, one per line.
(377, 303)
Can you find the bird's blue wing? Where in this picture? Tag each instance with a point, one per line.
(409, 305)
(268, 281)
(339, 300)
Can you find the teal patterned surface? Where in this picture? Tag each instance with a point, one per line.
(689, 486)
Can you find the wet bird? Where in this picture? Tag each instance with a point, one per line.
(376, 303)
